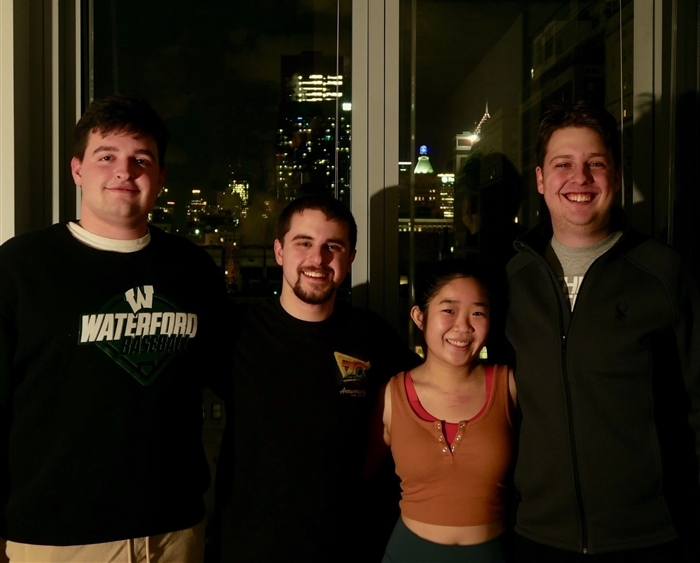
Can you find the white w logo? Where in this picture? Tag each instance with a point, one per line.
(138, 300)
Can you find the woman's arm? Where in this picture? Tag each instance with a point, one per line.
(511, 388)
(379, 438)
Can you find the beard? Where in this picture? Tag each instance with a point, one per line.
(318, 296)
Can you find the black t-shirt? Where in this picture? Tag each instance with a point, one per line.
(289, 480)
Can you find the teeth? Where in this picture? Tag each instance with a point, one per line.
(315, 274)
(457, 342)
(579, 198)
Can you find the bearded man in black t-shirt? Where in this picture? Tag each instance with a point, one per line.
(305, 373)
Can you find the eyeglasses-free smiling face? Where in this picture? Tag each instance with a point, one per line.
(579, 181)
(315, 258)
(120, 179)
(456, 323)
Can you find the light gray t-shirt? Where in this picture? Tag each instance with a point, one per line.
(570, 264)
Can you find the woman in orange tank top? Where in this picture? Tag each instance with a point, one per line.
(448, 424)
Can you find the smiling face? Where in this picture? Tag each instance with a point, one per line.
(456, 323)
(578, 180)
(315, 256)
(120, 179)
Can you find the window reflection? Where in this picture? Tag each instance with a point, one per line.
(475, 78)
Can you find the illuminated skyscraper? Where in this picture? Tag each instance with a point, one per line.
(447, 195)
(233, 201)
(313, 136)
(423, 165)
(163, 213)
(196, 207)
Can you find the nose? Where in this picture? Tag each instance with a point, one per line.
(125, 169)
(316, 255)
(582, 174)
(463, 322)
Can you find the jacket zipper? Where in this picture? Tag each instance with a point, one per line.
(577, 475)
(574, 451)
(524, 247)
(564, 301)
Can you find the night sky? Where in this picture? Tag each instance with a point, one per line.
(212, 71)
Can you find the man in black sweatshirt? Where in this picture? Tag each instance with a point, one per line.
(106, 333)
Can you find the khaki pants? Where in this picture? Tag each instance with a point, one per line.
(183, 546)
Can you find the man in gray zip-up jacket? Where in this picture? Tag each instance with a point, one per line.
(605, 324)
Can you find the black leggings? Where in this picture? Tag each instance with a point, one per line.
(406, 547)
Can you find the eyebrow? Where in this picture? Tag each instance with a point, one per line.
(450, 301)
(108, 148)
(572, 156)
(338, 241)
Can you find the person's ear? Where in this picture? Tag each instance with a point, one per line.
(279, 251)
(417, 316)
(76, 167)
(540, 180)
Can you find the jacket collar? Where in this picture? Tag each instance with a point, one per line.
(539, 236)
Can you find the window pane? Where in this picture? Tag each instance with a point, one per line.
(257, 99)
(475, 77)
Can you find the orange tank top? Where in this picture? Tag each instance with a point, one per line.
(459, 485)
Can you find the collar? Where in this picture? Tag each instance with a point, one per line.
(539, 236)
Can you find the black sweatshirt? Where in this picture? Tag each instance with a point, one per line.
(102, 360)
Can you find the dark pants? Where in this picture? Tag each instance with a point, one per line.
(406, 547)
(527, 551)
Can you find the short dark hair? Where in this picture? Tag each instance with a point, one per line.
(578, 114)
(433, 277)
(333, 209)
(121, 114)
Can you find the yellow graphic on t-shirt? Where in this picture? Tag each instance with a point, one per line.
(354, 374)
(351, 368)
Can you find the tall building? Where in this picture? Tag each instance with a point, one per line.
(163, 212)
(447, 195)
(196, 207)
(463, 147)
(429, 221)
(233, 201)
(432, 193)
(314, 127)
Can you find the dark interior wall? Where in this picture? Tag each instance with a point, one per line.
(685, 231)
